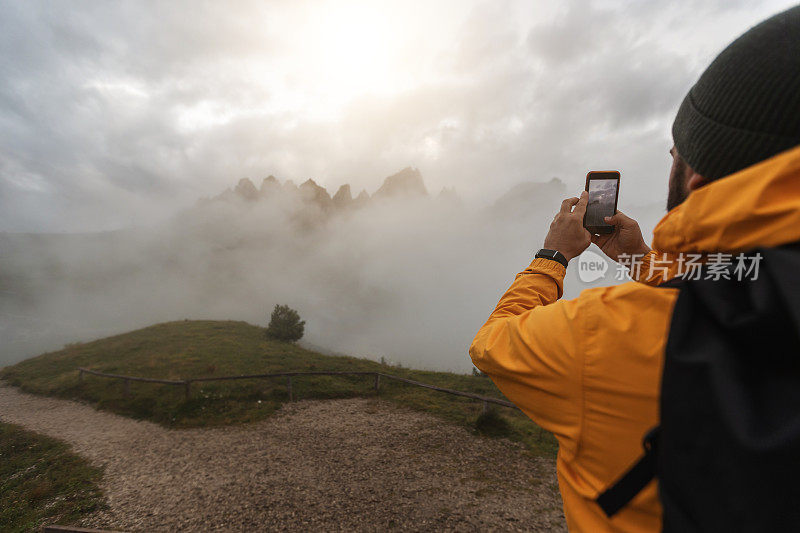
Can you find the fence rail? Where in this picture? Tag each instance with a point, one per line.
(187, 383)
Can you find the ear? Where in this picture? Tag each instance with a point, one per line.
(696, 181)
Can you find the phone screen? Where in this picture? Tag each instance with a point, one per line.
(603, 188)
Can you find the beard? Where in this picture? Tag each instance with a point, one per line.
(677, 192)
(676, 195)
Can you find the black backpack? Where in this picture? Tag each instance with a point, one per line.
(727, 451)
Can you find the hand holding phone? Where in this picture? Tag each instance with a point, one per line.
(567, 234)
(603, 189)
(626, 239)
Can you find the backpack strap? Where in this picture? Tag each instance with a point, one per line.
(634, 480)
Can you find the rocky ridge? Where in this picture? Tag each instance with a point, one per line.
(405, 184)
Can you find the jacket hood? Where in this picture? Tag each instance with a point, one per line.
(755, 207)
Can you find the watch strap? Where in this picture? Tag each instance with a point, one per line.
(553, 255)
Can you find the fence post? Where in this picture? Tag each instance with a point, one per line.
(187, 383)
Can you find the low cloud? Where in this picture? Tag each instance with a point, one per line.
(409, 277)
(115, 114)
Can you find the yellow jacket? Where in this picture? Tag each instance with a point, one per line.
(589, 369)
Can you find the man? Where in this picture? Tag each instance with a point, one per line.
(589, 369)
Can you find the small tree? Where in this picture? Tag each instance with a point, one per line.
(285, 324)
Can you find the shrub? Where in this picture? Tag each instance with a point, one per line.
(285, 324)
(492, 424)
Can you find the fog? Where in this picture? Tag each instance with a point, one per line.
(116, 119)
(405, 275)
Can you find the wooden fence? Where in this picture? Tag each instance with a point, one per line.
(187, 383)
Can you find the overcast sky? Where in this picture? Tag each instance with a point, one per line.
(115, 114)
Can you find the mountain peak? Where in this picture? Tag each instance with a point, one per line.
(529, 196)
(343, 196)
(407, 182)
(310, 191)
(269, 185)
(246, 189)
(448, 194)
(289, 186)
(362, 198)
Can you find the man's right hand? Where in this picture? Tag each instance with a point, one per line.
(625, 239)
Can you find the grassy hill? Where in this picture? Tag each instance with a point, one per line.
(43, 482)
(204, 348)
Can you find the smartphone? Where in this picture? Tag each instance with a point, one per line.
(603, 189)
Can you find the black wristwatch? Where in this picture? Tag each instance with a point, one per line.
(554, 255)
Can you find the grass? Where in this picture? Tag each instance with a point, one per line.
(43, 482)
(201, 348)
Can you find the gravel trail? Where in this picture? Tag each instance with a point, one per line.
(357, 464)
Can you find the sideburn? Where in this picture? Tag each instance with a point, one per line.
(677, 192)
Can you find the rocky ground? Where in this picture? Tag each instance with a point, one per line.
(357, 464)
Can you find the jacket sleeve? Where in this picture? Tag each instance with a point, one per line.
(654, 268)
(531, 348)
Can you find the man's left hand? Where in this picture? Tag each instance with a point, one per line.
(567, 234)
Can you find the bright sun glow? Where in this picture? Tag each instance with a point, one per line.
(349, 49)
(355, 49)
(335, 53)
(339, 51)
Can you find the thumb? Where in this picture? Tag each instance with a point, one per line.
(580, 206)
(618, 219)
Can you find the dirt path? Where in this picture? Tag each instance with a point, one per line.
(360, 464)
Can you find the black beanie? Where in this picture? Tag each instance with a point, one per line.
(746, 106)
